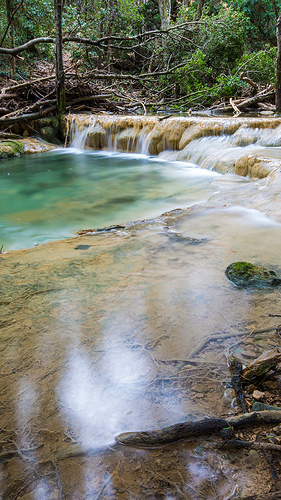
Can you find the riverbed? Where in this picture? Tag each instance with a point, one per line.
(97, 333)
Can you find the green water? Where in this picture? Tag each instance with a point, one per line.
(50, 196)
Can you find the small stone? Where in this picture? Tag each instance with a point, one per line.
(258, 395)
(228, 396)
(277, 430)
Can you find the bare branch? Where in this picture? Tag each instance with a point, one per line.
(87, 41)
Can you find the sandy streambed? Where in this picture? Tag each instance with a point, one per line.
(96, 332)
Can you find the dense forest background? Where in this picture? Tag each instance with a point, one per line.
(179, 54)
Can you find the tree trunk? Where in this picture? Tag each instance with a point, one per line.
(165, 13)
(200, 7)
(60, 88)
(278, 67)
(10, 19)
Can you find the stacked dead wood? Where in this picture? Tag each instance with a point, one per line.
(34, 98)
(260, 98)
(98, 91)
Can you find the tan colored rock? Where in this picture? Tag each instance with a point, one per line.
(258, 395)
(32, 145)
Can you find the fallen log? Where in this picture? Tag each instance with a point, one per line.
(189, 429)
(247, 103)
(6, 120)
(26, 117)
(262, 365)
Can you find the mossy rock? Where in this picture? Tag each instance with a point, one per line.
(247, 275)
(10, 149)
(47, 133)
(48, 121)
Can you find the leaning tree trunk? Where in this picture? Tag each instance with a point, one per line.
(278, 67)
(60, 88)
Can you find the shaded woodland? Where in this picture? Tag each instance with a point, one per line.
(139, 57)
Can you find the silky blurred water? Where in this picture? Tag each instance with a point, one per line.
(50, 196)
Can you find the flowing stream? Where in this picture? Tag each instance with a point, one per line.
(97, 330)
(49, 196)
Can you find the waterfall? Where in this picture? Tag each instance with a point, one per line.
(244, 146)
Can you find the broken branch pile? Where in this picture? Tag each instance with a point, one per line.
(35, 98)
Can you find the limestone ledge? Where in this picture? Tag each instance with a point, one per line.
(154, 135)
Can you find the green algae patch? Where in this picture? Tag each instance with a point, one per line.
(247, 275)
(10, 149)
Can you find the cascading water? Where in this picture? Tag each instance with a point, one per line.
(64, 192)
(249, 147)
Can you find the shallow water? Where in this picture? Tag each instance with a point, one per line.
(50, 196)
(96, 331)
(95, 336)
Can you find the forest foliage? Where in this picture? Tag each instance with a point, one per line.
(196, 49)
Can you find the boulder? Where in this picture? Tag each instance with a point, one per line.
(10, 149)
(247, 275)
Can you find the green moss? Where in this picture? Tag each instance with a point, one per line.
(247, 269)
(247, 275)
(10, 149)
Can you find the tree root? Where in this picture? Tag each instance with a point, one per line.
(221, 336)
(254, 445)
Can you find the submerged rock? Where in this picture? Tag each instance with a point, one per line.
(247, 275)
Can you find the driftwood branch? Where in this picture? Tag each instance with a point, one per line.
(244, 78)
(236, 110)
(247, 103)
(237, 386)
(254, 445)
(222, 336)
(194, 429)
